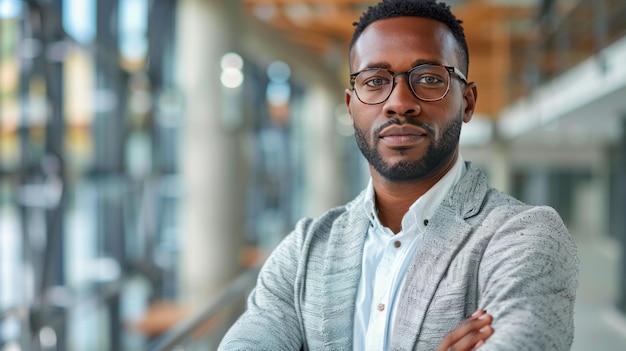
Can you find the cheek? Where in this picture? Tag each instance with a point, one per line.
(363, 117)
(363, 129)
(444, 117)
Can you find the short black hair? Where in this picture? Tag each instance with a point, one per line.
(432, 9)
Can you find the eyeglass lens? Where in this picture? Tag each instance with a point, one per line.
(428, 82)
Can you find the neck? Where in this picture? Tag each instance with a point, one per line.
(393, 199)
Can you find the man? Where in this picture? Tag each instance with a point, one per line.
(428, 242)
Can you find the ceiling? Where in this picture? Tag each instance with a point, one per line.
(494, 32)
(499, 35)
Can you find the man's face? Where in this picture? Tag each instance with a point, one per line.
(404, 138)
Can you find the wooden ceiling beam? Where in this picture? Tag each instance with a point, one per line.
(317, 28)
(312, 2)
(326, 25)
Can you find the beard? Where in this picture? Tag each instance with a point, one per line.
(438, 152)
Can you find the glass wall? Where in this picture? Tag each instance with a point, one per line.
(88, 185)
(90, 192)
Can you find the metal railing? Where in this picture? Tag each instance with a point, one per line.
(198, 328)
(563, 39)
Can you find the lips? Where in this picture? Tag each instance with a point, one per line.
(404, 135)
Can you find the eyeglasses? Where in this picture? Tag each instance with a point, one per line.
(428, 82)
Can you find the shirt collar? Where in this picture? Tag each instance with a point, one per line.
(369, 204)
(424, 207)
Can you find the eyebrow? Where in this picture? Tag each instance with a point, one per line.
(414, 64)
(378, 65)
(425, 62)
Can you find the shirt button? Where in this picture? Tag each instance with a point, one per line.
(397, 244)
(380, 307)
(425, 222)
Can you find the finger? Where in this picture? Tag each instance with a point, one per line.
(472, 339)
(478, 345)
(478, 313)
(470, 325)
(473, 323)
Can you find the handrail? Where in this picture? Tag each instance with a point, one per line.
(13, 312)
(184, 329)
(556, 46)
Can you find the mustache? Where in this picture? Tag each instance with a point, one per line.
(394, 120)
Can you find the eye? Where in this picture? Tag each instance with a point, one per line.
(428, 79)
(376, 82)
(374, 79)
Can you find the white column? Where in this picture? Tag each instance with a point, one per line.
(323, 178)
(500, 172)
(211, 208)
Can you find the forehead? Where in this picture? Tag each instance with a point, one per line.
(400, 41)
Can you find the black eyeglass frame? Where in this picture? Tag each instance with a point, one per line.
(450, 69)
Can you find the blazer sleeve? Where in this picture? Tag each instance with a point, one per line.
(527, 281)
(271, 321)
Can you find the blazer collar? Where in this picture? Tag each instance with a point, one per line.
(467, 196)
(342, 271)
(445, 233)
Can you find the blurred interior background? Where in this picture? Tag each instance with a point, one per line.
(153, 151)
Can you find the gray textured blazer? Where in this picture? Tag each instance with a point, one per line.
(481, 249)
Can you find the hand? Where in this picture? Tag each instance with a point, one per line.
(470, 334)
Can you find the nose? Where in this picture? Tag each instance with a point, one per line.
(402, 102)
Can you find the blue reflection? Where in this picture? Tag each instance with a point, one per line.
(133, 28)
(79, 19)
(10, 9)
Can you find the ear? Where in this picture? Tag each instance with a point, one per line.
(470, 96)
(348, 98)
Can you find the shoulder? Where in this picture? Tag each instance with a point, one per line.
(506, 226)
(340, 217)
(491, 207)
(526, 238)
(505, 213)
(311, 232)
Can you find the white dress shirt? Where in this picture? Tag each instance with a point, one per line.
(386, 258)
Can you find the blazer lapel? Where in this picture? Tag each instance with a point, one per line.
(342, 271)
(440, 242)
